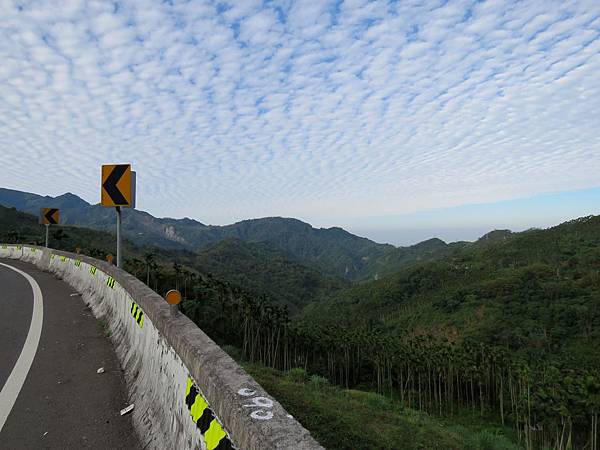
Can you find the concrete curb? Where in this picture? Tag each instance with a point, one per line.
(160, 354)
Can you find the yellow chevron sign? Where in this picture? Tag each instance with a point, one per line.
(49, 216)
(117, 185)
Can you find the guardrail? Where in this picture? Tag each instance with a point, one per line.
(188, 393)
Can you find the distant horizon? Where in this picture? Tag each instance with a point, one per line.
(545, 210)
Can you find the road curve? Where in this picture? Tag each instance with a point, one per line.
(14, 382)
(63, 403)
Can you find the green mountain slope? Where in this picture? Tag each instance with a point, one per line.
(259, 268)
(536, 292)
(264, 269)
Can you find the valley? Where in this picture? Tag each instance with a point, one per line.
(495, 338)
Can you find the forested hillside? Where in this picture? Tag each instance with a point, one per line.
(264, 269)
(509, 324)
(536, 292)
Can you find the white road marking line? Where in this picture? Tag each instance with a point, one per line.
(14, 383)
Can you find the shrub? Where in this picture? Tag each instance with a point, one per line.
(376, 401)
(318, 382)
(297, 375)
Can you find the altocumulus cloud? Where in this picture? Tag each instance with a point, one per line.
(313, 109)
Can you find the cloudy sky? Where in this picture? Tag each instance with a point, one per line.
(381, 117)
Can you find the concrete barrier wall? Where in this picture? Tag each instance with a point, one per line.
(187, 392)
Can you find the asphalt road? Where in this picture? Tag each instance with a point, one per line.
(63, 402)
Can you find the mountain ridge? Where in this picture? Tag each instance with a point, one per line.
(257, 268)
(331, 250)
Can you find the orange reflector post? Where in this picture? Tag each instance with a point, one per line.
(173, 297)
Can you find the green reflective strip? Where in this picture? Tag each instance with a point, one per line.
(137, 314)
(198, 407)
(188, 387)
(93, 270)
(52, 256)
(214, 435)
(63, 258)
(78, 263)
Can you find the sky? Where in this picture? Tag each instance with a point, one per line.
(397, 120)
(469, 222)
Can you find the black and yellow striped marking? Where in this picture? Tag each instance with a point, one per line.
(110, 282)
(52, 256)
(137, 314)
(19, 247)
(63, 258)
(215, 436)
(33, 250)
(77, 263)
(93, 270)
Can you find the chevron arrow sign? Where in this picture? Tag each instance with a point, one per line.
(49, 216)
(117, 185)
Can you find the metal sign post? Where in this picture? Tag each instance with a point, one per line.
(118, 190)
(47, 229)
(119, 254)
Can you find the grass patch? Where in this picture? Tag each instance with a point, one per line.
(343, 419)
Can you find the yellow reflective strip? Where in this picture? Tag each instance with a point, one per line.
(213, 435)
(198, 408)
(188, 386)
(142, 321)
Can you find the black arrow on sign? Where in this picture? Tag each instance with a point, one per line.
(49, 216)
(110, 185)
